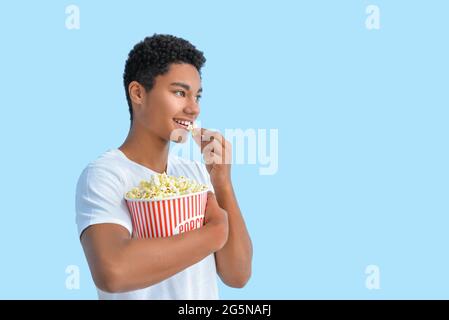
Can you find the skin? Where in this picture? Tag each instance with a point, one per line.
(120, 263)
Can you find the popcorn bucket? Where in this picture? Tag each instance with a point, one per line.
(156, 218)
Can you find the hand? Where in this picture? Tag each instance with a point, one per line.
(217, 219)
(217, 154)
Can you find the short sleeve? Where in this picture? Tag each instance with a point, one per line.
(100, 199)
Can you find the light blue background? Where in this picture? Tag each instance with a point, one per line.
(362, 118)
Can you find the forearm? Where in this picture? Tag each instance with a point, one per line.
(145, 262)
(235, 258)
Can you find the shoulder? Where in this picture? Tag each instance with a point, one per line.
(108, 166)
(99, 193)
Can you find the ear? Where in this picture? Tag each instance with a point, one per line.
(136, 93)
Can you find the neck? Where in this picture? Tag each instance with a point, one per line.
(146, 148)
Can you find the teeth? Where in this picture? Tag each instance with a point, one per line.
(185, 123)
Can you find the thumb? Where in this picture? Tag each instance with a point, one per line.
(196, 135)
(211, 200)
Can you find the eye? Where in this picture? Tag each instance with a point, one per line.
(180, 93)
(198, 98)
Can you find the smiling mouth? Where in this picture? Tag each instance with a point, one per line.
(183, 123)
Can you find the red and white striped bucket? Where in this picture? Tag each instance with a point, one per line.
(167, 217)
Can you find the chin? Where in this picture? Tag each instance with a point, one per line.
(179, 136)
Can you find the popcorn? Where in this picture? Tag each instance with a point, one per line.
(191, 128)
(161, 186)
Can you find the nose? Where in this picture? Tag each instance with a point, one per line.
(192, 108)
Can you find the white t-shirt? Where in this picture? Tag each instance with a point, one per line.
(100, 199)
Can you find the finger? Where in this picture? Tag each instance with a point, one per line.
(206, 137)
(211, 200)
(197, 134)
(212, 158)
(200, 136)
(217, 136)
(214, 152)
(211, 151)
(212, 145)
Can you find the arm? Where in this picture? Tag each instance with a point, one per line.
(234, 259)
(120, 263)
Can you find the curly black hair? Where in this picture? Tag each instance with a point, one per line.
(153, 56)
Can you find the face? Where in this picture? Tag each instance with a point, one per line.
(172, 102)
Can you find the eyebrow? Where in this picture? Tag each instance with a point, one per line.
(184, 85)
